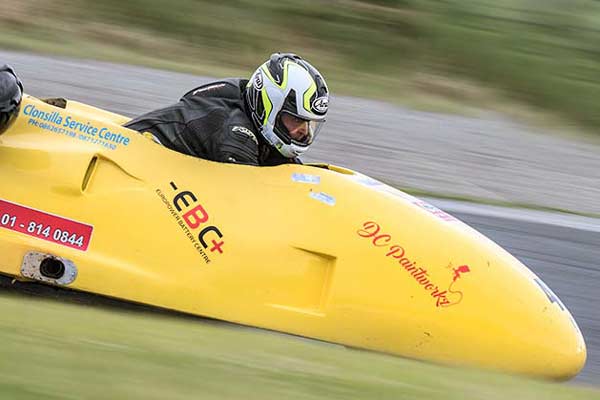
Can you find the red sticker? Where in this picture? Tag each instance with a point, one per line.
(43, 225)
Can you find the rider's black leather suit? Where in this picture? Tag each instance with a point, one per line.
(211, 122)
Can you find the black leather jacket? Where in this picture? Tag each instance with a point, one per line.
(211, 122)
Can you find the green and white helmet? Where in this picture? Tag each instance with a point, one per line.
(287, 84)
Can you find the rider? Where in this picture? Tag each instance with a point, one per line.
(11, 92)
(285, 102)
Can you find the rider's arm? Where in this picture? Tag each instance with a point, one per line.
(238, 146)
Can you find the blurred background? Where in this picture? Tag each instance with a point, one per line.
(523, 74)
(492, 101)
(448, 55)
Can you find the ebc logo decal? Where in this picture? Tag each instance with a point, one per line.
(194, 220)
(320, 105)
(258, 81)
(443, 297)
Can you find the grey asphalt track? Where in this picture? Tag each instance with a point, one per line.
(488, 158)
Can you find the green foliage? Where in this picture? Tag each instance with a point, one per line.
(357, 35)
(542, 52)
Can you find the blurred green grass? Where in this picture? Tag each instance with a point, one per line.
(522, 57)
(56, 350)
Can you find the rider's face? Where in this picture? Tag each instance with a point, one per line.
(297, 127)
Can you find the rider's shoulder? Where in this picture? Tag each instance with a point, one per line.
(225, 88)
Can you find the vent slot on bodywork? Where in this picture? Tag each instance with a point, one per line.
(105, 175)
(88, 173)
(312, 276)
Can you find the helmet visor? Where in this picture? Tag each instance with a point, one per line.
(299, 130)
(314, 127)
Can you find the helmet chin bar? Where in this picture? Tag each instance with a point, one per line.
(288, 150)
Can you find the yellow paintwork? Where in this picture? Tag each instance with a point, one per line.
(293, 256)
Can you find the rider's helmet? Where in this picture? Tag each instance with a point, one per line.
(11, 92)
(287, 84)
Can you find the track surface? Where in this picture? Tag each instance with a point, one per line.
(471, 157)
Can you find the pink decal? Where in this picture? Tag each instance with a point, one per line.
(434, 210)
(443, 294)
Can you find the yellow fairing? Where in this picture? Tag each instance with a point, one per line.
(317, 251)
